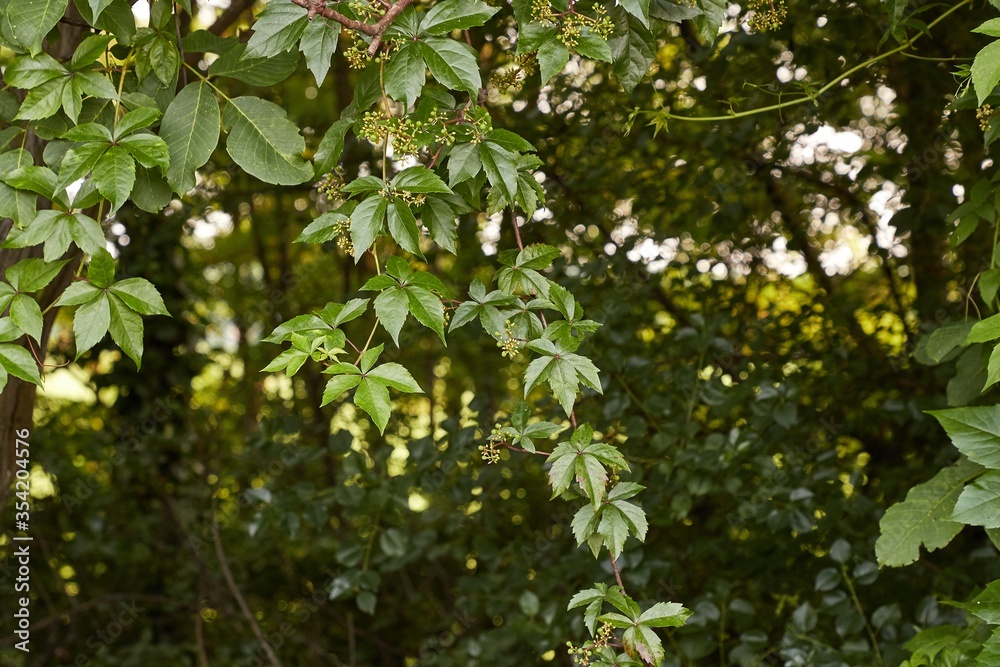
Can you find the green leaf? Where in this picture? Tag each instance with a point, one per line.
(151, 191)
(36, 179)
(665, 615)
(501, 169)
(420, 180)
(31, 20)
(29, 72)
(391, 309)
(453, 64)
(43, 101)
(324, 228)
(89, 132)
(94, 84)
(924, 518)
(264, 142)
(984, 331)
(255, 71)
(101, 270)
(136, 120)
(986, 71)
(31, 275)
(441, 220)
(366, 223)
(126, 328)
(514, 143)
(114, 175)
(17, 361)
(319, 43)
(15, 204)
(637, 8)
(552, 58)
(642, 642)
(290, 361)
(456, 15)
(986, 605)
(633, 49)
(27, 315)
(463, 163)
(277, 29)
(91, 323)
(148, 150)
(78, 162)
(404, 74)
(79, 293)
(974, 431)
(990, 655)
(979, 504)
(395, 376)
(190, 128)
(403, 226)
(336, 314)
(92, 47)
(427, 309)
(98, 6)
(140, 295)
(369, 358)
(337, 385)
(532, 35)
(332, 146)
(591, 45)
(373, 398)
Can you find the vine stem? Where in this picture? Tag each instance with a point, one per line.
(861, 611)
(905, 46)
(374, 30)
(618, 574)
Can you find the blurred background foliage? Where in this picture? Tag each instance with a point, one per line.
(763, 284)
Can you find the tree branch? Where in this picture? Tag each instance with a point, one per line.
(374, 30)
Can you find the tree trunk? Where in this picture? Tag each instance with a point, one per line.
(17, 401)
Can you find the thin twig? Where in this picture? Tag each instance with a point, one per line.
(234, 589)
(618, 575)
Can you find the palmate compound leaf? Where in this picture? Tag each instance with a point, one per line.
(924, 518)
(587, 462)
(564, 370)
(372, 384)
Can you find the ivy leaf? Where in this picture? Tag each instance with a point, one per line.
(43, 101)
(336, 314)
(552, 58)
(79, 293)
(404, 74)
(924, 518)
(373, 397)
(27, 315)
(338, 384)
(277, 29)
(290, 361)
(403, 226)
(564, 371)
(31, 275)
(114, 175)
(585, 461)
(463, 163)
(148, 150)
(484, 306)
(632, 47)
(427, 309)
(593, 46)
(29, 72)
(78, 162)
(92, 47)
(986, 605)
(986, 71)
(641, 641)
(140, 295)
(137, 119)
(324, 228)
(456, 15)
(367, 221)
(637, 8)
(979, 504)
(264, 142)
(453, 64)
(319, 43)
(101, 270)
(17, 361)
(395, 376)
(974, 431)
(440, 218)
(90, 323)
(332, 146)
(501, 169)
(420, 180)
(391, 308)
(15, 204)
(126, 328)
(190, 128)
(31, 20)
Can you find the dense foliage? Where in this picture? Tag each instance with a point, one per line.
(451, 333)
